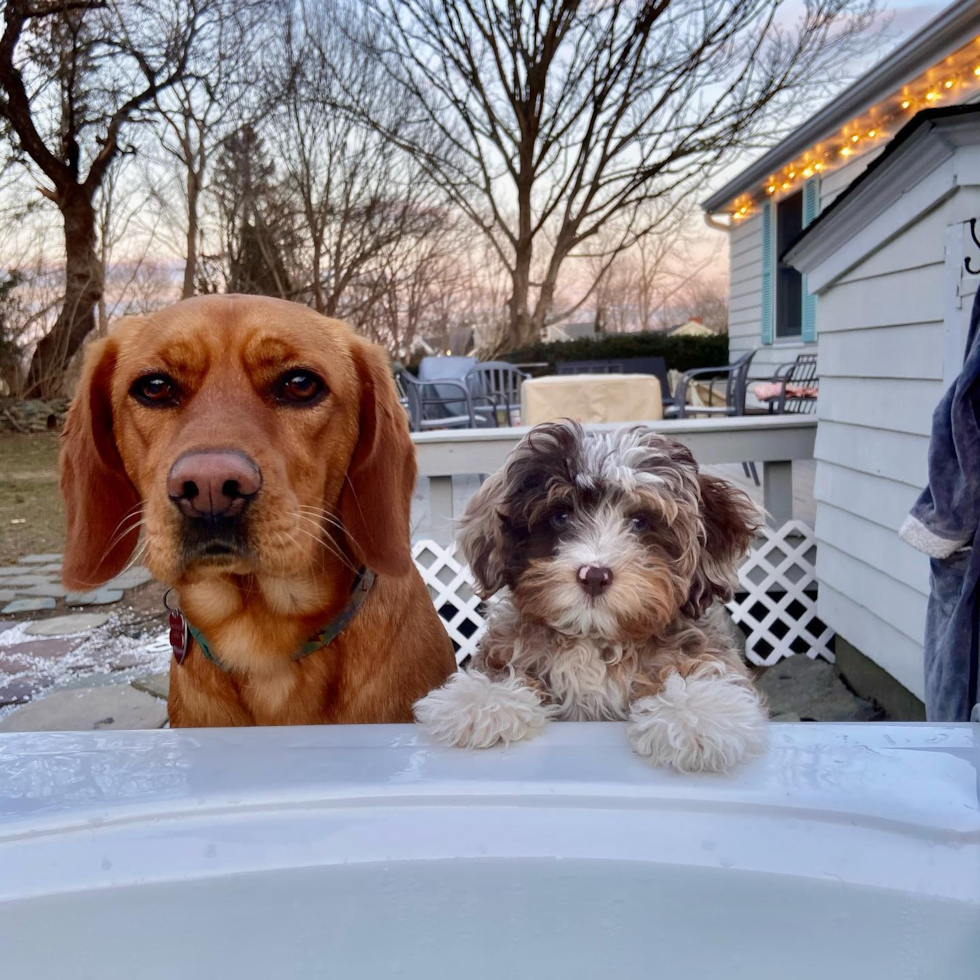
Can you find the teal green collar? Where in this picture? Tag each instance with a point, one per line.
(181, 631)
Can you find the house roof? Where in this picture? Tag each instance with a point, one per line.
(943, 35)
(917, 151)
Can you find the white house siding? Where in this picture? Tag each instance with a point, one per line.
(880, 358)
(745, 293)
(745, 269)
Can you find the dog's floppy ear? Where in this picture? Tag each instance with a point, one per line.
(101, 503)
(377, 497)
(481, 537)
(730, 521)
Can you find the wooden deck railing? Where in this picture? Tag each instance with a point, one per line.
(773, 441)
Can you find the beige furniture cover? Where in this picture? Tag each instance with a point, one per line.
(592, 398)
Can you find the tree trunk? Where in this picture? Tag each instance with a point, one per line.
(520, 327)
(84, 284)
(190, 266)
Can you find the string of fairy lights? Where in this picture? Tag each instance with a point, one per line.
(944, 82)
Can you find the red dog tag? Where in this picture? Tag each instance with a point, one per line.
(179, 635)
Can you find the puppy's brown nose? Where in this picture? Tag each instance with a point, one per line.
(212, 485)
(594, 579)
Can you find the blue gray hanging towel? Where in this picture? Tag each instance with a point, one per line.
(943, 524)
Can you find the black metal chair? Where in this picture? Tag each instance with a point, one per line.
(500, 382)
(736, 379)
(447, 404)
(800, 374)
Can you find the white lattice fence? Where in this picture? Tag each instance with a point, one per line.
(451, 586)
(776, 603)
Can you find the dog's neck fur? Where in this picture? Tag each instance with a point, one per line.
(255, 623)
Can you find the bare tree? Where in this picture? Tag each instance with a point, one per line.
(120, 207)
(556, 118)
(75, 76)
(258, 225)
(706, 297)
(358, 197)
(200, 110)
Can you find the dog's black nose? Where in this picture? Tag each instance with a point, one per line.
(213, 485)
(594, 579)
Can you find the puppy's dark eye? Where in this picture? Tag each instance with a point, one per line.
(559, 520)
(639, 524)
(300, 388)
(155, 390)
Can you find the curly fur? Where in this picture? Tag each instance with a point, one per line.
(667, 539)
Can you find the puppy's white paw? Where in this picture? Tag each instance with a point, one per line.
(709, 721)
(474, 712)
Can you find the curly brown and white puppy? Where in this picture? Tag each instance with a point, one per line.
(610, 547)
(261, 451)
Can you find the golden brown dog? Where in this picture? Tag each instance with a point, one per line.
(261, 449)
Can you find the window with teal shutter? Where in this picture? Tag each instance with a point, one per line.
(768, 268)
(811, 208)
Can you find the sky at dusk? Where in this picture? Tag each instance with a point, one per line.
(903, 18)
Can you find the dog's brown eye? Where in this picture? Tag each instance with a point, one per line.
(155, 390)
(300, 387)
(639, 524)
(559, 520)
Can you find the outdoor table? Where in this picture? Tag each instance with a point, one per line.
(592, 398)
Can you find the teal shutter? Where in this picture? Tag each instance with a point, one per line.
(811, 208)
(768, 272)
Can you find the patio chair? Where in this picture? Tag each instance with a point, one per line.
(446, 405)
(736, 379)
(793, 388)
(501, 382)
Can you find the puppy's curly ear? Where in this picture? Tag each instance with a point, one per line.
(481, 535)
(730, 521)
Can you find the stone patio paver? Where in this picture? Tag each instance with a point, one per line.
(50, 589)
(24, 581)
(16, 656)
(156, 684)
(97, 597)
(27, 605)
(62, 625)
(130, 578)
(54, 569)
(118, 707)
(39, 559)
(19, 691)
(7, 595)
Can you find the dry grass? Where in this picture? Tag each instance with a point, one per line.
(29, 494)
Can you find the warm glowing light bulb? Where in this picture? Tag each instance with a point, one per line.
(906, 103)
(818, 166)
(786, 185)
(855, 138)
(771, 189)
(736, 216)
(791, 174)
(872, 133)
(976, 71)
(808, 172)
(931, 96)
(743, 209)
(948, 83)
(845, 151)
